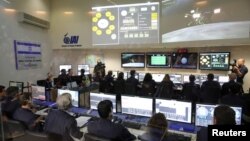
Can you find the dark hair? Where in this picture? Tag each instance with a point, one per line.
(224, 115)
(166, 78)
(235, 89)
(63, 71)
(82, 71)
(191, 78)
(120, 76)
(110, 73)
(11, 92)
(1, 88)
(132, 72)
(147, 77)
(105, 108)
(210, 76)
(159, 121)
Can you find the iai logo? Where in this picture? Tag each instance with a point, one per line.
(71, 40)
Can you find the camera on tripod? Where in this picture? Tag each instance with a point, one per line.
(234, 64)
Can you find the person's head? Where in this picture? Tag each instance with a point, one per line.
(120, 75)
(166, 77)
(12, 92)
(70, 72)
(240, 62)
(191, 78)
(232, 76)
(82, 71)
(147, 77)
(105, 109)
(224, 115)
(132, 72)
(64, 101)
(158, 121)
(210, 77)
(26, 104)
(63, 71)
(110, 73)
(2, 88)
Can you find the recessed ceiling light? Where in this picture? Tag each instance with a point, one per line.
(41, 12)
(9, 10)
(68, 12)
(217, 11)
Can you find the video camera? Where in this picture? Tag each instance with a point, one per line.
(233, 64)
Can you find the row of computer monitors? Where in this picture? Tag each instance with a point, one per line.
(176, 78)
(180, 111)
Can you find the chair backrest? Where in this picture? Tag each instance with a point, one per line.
(35, 136)
(91, 137)
(13, 129)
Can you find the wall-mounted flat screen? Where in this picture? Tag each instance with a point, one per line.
(214, 61)
(158, 60)
(184, 60)
(133, 60)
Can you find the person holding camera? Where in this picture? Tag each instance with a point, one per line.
(241, 70)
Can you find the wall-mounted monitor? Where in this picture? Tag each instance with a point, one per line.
(133, 60)
(85, 67)
(20, 85)
(66, 67)
(74, 96)
(174, 110)
(192, 20)
(214, 61)
(136, 23)
(184, 60)
(158, 60)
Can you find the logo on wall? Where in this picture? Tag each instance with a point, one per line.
(71, 41)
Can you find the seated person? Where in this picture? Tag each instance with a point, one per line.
(25, 115)
(148, 86)
(166, 88)
(2, 93)
(59, 124)
(132, 84)
(191, 90)
(11, 102)
(223, 115)
(232, 81)
(105, 128)
(157, 129)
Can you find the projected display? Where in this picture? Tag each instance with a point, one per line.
(38, 92)
(131, 60)
(74, 96)
(186, 79)
(192, 20)
(176, 78)
(66, 67)
(17, 84)
(158, 77)
(214, 61)
(174, 110)
(161, 60)
(126, 24)
(137, 106)
(85, 67)
(205, 113)
(184, 60)
(95, 98)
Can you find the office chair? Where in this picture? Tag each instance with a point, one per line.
(13, 129)
(91, 137)
(29, 135)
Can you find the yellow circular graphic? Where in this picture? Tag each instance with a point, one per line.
(112, 18)
(94, 19)
(99, 32)
(98, 15)
(108, 14)
(108, 32)
(111, 27)
(94, 28)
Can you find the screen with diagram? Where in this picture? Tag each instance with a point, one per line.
(126, 24)
(214, 61)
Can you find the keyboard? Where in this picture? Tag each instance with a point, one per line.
(133, 125)
(181, 136)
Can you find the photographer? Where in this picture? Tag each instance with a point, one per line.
(240, 69)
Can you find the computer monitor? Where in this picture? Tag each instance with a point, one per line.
(186, 79)
(174, 110)
(137, 106)
(157, 77)
(71, 85)
(17, 84)
(66, 67)
(38, 92)
(85, 67)
(223, 79)
(176, 78)
(115, 74)
(205, 112)
(136, 75)
(95, 98)
(74, 96)
(141, 76)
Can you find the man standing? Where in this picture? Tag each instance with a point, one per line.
(241, 70)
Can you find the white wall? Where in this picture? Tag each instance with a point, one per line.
(112, 59)
(11, 29)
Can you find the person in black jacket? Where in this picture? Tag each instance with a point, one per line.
(59, 124)
(148, 86)
(232, 82)
(105, 128)
(191, 91)
(166, 88)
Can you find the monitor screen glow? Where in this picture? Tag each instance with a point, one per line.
(74, 96)
(95, 98)
(38, 92)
